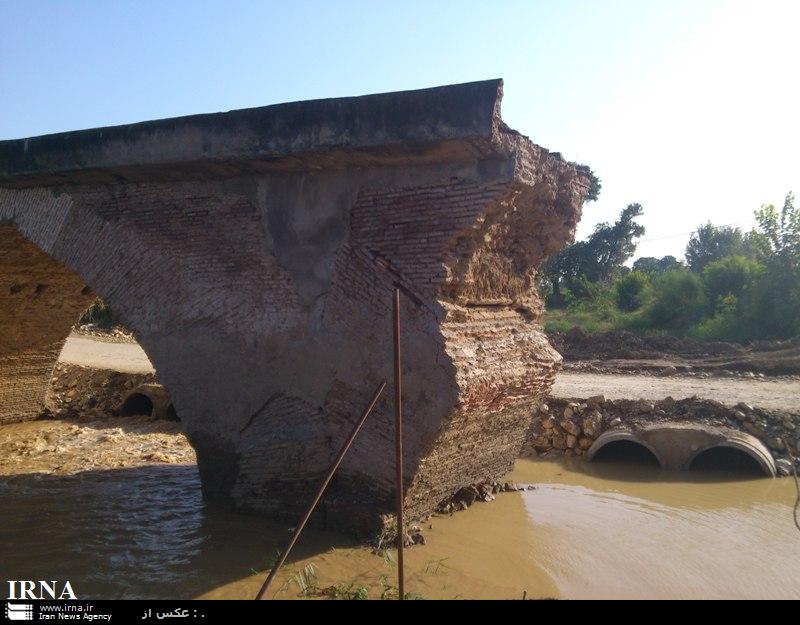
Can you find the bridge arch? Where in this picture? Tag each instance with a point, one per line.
(56, 258)
(64, 246)
(40, 301)
(254, 255)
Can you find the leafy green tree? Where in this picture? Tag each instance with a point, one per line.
(710, 243)
(597, 258)
(780, 231)
(772, 305)
(630, 291)
(650, 264)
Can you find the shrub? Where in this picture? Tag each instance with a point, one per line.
(726, 324)
(771, 305)
(678, 301)
(729, 276)
(583, 289)
(630, 291)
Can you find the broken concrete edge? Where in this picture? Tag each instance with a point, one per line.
(380, 127)
(155, 394)
(577, 427)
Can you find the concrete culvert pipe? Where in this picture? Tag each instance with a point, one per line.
(681, 446)
(622, 446)
(149, 399)
(736, 458)
(136, 404)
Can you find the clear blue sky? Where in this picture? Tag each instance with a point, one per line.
(689, 107)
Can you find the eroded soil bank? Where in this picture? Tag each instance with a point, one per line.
(626, 352)
(781, 394)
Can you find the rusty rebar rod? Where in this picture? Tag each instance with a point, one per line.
(398, 438)
(321, 491)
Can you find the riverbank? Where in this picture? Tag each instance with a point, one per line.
(622, 379)
(620, 351)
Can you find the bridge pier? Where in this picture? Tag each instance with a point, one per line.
(254, 254)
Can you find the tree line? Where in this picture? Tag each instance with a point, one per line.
(730, 285)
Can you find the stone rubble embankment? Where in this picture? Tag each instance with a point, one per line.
(570, 426)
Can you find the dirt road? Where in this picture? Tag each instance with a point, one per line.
(105, 354)
(776, 394)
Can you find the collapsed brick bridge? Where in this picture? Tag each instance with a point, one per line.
(254, 253)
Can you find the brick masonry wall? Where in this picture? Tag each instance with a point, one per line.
(264, 304)
(40, 302)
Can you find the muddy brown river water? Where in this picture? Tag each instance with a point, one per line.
(605, 530)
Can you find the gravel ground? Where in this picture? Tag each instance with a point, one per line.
(774, 394)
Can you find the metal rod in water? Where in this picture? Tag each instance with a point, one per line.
(398, 437)
(321, 491)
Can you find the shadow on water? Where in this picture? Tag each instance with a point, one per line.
(733, 463)
(626, 452)
(134, 533)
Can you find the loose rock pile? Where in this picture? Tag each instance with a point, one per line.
(569, 426)
(485, 491)
(84, 393)
(117, 334)
(482, 491)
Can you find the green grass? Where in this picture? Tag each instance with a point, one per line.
(593, 320)
(588, 320)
